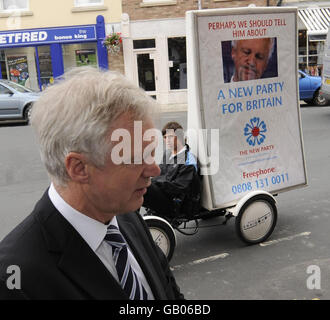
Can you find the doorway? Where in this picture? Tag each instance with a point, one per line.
(146, 72)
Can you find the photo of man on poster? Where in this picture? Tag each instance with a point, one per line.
(249, 59)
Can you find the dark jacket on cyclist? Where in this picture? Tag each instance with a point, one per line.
(176, 191)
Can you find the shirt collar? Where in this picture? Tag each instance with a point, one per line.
(91, 230)
(174, 155)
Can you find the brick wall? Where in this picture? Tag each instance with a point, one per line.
(138, 12)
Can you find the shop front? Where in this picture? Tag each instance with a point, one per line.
(313, 28)
(35, 57)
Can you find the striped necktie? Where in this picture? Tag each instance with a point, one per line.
(128, 279)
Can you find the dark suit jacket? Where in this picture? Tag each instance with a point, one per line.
(56, 263)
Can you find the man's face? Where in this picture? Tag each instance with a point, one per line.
(250, 58)
(170, 140)
(119, 188)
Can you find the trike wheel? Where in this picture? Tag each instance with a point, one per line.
(256, 220)
(162, 234)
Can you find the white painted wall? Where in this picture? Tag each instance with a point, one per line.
(159, 30)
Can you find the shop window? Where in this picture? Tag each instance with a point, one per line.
(177, 62)
(146, 71)
(144, 44)
(45, 66)
(18, 69)
(311, 51)
(14, 5)
(83, 3)
(3, 65)
(302, 42)
(21, 66)
(80, 54)
(315, 57)
(303, 64)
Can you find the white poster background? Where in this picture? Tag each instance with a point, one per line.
(280, 154)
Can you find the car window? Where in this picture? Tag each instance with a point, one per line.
(18, 87)
(4, 90)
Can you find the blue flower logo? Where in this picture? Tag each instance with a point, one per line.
(254, 130)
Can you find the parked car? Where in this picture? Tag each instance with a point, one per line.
(16, 101)
(309, 89)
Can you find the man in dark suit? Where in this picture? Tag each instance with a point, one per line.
(83, 239)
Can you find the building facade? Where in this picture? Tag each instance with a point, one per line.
(155, 47)
(154, 42)
(40, 40)
(313, 22)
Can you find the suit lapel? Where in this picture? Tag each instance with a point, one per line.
(142, 255)
(77, 260)
(82, 265)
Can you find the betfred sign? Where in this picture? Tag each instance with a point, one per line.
(47, 36)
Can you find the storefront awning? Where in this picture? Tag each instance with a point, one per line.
(316, 20)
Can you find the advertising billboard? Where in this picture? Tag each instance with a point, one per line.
(242, 85)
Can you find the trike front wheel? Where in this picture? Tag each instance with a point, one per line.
(163, 234)
(256, 219)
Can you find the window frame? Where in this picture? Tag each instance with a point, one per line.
(155, 3)
(16, 9)
(94, 4)
(6, 91)
(168, 59)
(151, 1)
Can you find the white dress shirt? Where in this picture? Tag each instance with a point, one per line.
(93, 232)
(174, 155)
